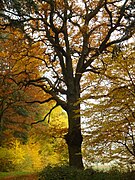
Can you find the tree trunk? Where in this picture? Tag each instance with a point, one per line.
(74, 137)
(74, 141)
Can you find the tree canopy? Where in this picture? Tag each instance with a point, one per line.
(73, 37)
(111, 115)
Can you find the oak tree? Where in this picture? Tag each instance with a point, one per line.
(72, 34)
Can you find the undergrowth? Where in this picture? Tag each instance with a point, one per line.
(68, 173)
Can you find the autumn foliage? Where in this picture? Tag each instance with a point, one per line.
(72, 55)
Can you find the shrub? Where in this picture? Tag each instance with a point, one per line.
(65, 173)
(20, 157)
(5, 160)
(68, 173)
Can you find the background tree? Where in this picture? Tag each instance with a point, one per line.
(15, 114)
(24, 147)
(72, 35)
(110, 135)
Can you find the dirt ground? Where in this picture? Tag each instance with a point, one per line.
(24, 177)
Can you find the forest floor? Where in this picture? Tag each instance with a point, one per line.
(22, 177)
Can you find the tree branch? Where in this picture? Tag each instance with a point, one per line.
(47, 115)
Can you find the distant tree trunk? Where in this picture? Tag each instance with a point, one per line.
(74, 137)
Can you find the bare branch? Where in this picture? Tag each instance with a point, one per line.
(47, 115)
(40, 102)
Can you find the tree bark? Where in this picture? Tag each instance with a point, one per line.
(74, 141)
(74, 137)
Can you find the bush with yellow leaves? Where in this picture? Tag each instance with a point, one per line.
(24, 157)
